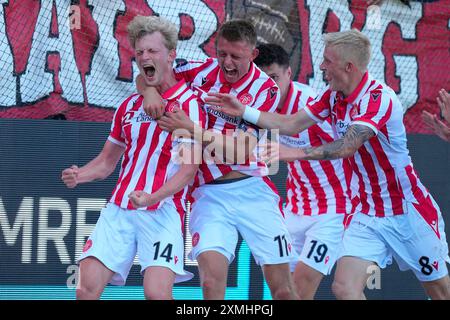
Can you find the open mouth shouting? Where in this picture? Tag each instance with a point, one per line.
(149, 71)
(230, 73)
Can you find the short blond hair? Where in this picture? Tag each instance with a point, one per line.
(353, 45)
(143, 25)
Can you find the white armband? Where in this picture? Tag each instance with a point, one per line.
(251, 115)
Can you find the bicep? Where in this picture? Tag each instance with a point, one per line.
(111, 152)
(356, 136)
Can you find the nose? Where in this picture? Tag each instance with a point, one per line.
(322, 66)
(145, 55)
(227, 61)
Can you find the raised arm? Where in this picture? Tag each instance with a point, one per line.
(97, 169)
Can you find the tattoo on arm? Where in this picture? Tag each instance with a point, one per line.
(345, 147)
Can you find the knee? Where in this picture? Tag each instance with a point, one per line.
(344, 291)
(157, 294)
(284, 293)
(211, 283)
(88, 293)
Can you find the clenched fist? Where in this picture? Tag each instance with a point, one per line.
(70, 176)
(140, 199)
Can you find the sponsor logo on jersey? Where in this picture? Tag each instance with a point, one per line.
(220, 114)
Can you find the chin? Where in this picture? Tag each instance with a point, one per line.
(232, 79)
(150, 83)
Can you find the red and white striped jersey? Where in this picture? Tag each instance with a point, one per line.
(317, 186)
(386, 178)
(255, 89)
(147, 161)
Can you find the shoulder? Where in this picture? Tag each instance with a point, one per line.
(129, 102)
(304, 89)
(183, 65)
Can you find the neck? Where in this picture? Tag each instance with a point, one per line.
(353, 84)
(168, 82)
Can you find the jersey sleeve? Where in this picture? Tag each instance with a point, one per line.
(188, 70)
(319, 109)
(268, 97)
(116, 134)
(308, 95)
(374, 111)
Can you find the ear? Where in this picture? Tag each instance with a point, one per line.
(289, 71)
(255, 53)
(349, 67)
(172, 55)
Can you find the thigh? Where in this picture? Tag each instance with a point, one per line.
(297, 226)
(213, 264)
(362, 240)
(93, 274)
(211, 222)
(323, 240)
(158, 281)
(160, 241)
(279, 280)
(416, 246)
(353, 272)
(113, 242)
(262, 225)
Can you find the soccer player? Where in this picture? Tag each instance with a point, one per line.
(232, 198)
(148, 178)
(317, 191)
(396, 217)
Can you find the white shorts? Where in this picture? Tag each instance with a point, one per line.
(248, 206)
(155, 236)
(316, 239)
(407, 238)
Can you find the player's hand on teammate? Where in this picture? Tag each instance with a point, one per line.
(70, 176)
(271, 152)
(153, 103)
(177, 119)
(141, 199)
(227, 103)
